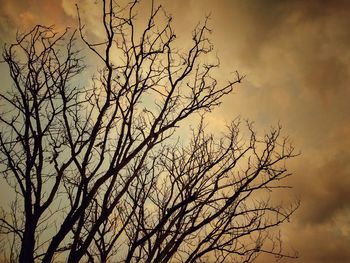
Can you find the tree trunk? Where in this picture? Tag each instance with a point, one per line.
(28, 243)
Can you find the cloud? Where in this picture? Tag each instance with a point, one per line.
(297, 61)
(324, 190)
(22, 15)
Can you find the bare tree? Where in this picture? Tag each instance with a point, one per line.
(98, 171)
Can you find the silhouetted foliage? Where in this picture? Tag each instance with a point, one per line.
(98, 171)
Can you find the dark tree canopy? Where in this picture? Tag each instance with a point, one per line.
(98, 170)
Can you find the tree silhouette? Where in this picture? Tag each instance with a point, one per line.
(98, 171)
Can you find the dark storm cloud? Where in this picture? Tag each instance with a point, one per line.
(297, 58)
(326, 193)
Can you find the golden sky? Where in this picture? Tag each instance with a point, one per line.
(296, 57)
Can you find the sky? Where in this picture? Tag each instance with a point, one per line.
(296, 58)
